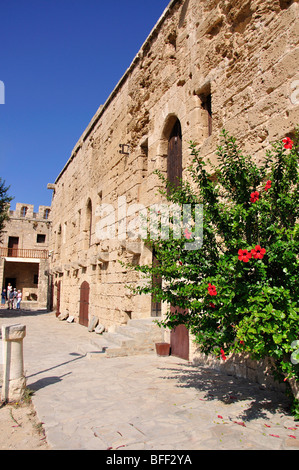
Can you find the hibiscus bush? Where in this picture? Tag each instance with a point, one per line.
(237, 293)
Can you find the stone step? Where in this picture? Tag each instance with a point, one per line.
(140, 334)
(96, 348)
(143, 323)
(95, 343)
(119, 339)
(130, 331)
(134, 351)
(137, 337)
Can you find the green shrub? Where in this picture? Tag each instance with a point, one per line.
(239, 291)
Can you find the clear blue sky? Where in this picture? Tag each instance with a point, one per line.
(59, 61)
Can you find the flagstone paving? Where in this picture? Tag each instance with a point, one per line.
(142, 402)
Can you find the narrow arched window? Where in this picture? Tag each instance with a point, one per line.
(24, 211)
(207, 106)
(46, 213)
(58, 240)
(88, 223)
(174, 154)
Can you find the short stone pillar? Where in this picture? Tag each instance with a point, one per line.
(14, 381)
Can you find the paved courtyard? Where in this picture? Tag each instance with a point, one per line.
(142, 402)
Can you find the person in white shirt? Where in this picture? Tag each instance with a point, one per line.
(19, 298)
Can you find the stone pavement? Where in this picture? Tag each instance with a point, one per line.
(142, 402)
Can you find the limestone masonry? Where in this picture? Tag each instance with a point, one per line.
(206, 65)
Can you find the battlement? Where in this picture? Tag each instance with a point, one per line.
(26, 211)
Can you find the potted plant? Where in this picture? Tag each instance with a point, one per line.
(162, 349)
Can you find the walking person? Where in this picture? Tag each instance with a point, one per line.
(19, 298)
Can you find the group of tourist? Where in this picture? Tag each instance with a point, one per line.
(12, 297)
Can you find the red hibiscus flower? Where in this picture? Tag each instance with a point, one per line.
(212, 289)
(187, 234)
(222, 354)
(268, 185)
(211, 304)
(254, 196)
(244, 255)
(258, 252)
(288, 143)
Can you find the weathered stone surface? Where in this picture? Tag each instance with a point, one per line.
(63, 316)
(13, 332)
(93, 323)
(99, 329)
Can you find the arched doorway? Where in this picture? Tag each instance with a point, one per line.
(84, 304)
(179, 337)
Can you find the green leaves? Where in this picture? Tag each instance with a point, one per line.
(4, 205)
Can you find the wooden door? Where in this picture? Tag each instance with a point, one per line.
(84, 303)
(58, 292)
(51, 294)
(13, 243)
(179, 339)
(174, 155)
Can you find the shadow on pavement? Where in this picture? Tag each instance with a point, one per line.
(14, 313)
(229, 389)
(44, 382)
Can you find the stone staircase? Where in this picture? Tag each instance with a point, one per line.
(138, 336)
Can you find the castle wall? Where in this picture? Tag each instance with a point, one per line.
(245, 55)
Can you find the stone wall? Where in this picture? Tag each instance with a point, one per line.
(244, 53)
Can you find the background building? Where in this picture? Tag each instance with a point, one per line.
(24, 255)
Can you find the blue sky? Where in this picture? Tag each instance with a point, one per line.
(59, 61)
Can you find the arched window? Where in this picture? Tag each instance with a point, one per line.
(24, 211)
(174, 154)
(88, 223)
(46, 213)
(58, 240)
